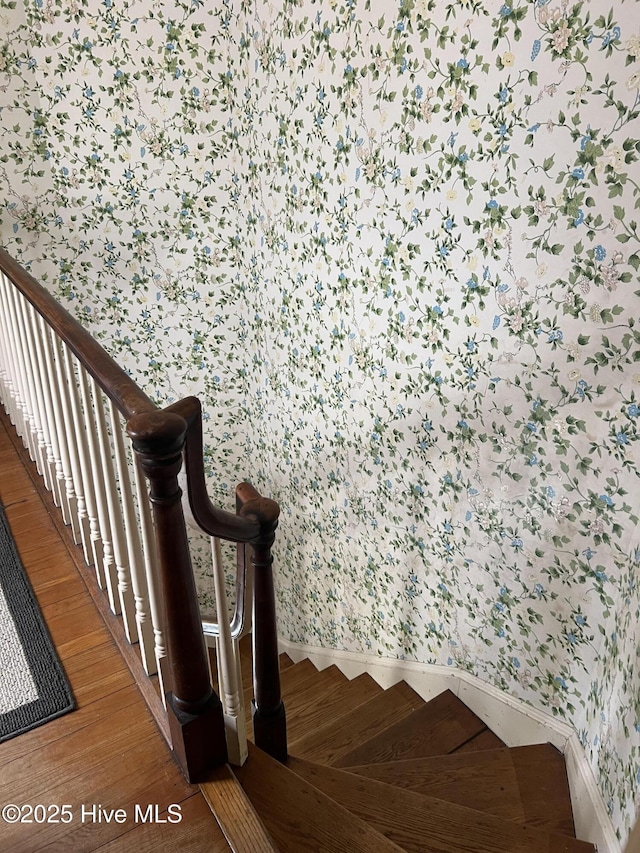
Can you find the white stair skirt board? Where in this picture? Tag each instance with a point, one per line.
(515, 722)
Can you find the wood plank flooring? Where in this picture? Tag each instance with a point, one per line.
(109, 752)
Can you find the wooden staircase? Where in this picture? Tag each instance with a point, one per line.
(377, 771)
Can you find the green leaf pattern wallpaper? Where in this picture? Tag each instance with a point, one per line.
(393, 246)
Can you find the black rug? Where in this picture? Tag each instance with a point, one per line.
(33, 685)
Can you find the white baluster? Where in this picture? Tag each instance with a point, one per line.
(9, 356)
(114, 515)
(97, 475)
(59, 410)
(46, 430)
(37, 435)
(73, 441)
(23, 414)
(151, 570)
(59, 434)
(80, 490)
(143, 624)
(6, 368)
(229, 682)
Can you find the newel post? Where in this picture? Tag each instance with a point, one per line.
(196, 720)
(268, 714)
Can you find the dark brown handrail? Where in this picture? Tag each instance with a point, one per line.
(113, 380)
(161, 437)
(255, 524)
(211, 519)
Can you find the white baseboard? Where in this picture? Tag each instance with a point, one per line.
(515, 722)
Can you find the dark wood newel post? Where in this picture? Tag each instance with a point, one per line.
(268, 714)
(196, 720)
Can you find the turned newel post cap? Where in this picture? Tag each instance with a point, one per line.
(251, 504)
(158, 432)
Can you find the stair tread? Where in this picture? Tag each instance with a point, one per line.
(304, 695)
(293, 676)
(437, 727)
(428, 777)
(525, 784)
(484, 740)
(300, 817)
(285, 662)
(422, 824)
(538, 785)
(313, 689)
(326, 698)
(329, 742)
(292, 680)
(238, 820)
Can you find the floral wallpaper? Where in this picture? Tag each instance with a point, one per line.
(394, 248)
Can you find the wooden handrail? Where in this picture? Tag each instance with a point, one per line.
(113, 380)
(211, 519)
(194, 711)
(254, 524)
(161, 438)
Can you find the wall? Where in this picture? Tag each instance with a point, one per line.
(394, 250)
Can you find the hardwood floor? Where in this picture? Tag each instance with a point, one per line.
(108, 754)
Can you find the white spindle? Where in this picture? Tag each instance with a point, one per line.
(9, 393)
(135, 559)
(117, 534)
(79, 448)
(26, 362)
(23, 418)
(72, 441)
(95, 471)
(43, 400)
(9, 356)
(80, 490)
(151, 570)
(230, 685)
(59, 434)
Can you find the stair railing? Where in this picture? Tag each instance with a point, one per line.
(254, 524)
(73, 405)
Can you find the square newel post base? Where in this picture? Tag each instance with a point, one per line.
(270, 731)
(198, 740)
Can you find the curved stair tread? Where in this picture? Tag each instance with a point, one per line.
(440, 726)
(329, 742)
(293, 677)
(326, 696)
(485, 740)
(525, 784)
(423, 824)
(301, 818)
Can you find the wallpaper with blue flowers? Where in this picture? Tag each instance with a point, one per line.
(394, 248)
